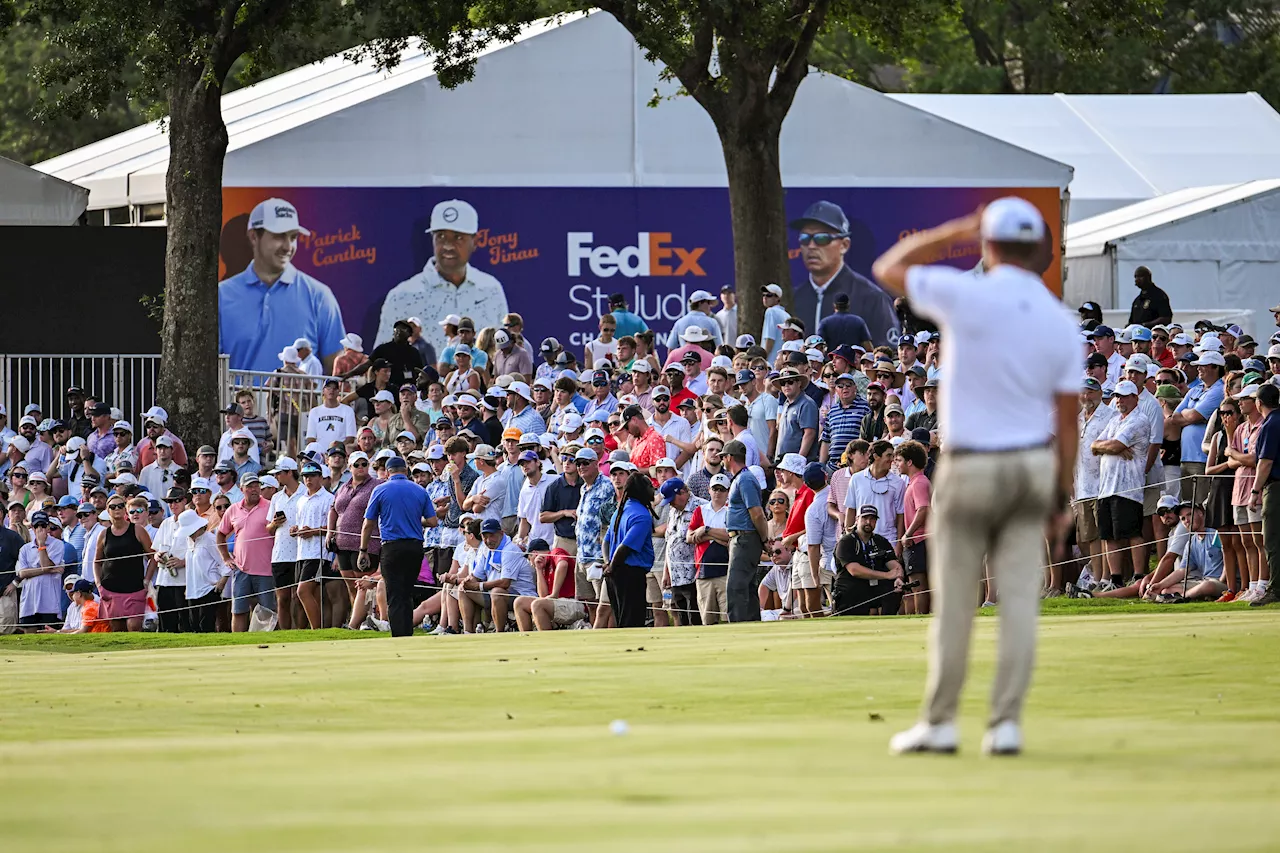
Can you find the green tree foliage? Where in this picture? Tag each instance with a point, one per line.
(1036, 46)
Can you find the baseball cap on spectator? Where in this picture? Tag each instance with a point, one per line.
(893, 407)
(1211, 358)
(462, 349)
(1139, 333)
(793, 463)
(793, 324)
(161, 441)
(1166, 502)
(815, 476)
(122, 426)
(501, 339)
(1123, 337)
(277, 216)
(549, 345)
(792, 346)
(700, 296)
(243, 434)
(722, 361)
(1103, 331)
(156, 413)
(31, 407)
(665, 462)
(67, 501)
(1181, 340)
(483, 451)
(1137, 361)
(772, 289)
(231, 409)
(384, 396)
(84, 587)
(621, 465)
(420, 466)
(921, 339)
(311, 469)
(598, 417)
(744, 342)
(571, 422)
(564, 359)
(521, 390)
(586, 454)
(87, 508)
(660, 391)
(1233, 330)
(1091, 384)
(686, 403)
(491, 525)
(76, 442)
(691, 357)
(1012, 220)
(100, 409)
(742, 377)
(528, 456)
(721, 481)
(1125, 388)
(672, 487)
(869, 511)
(119, 480)
(600, 378)
(176, 493)
(529, 439)
(1095, 359)
(1248, 391)
(815, 355)
(71, 581)
(1089, 307)
(223, 466)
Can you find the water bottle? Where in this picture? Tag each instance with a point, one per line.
(666, 599)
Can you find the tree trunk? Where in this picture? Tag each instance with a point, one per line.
(193, 210)
(758, 213)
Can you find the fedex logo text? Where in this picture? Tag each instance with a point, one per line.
(652, 255)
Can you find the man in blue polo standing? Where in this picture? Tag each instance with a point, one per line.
(270, 304)
(399, 509)
(747, 534)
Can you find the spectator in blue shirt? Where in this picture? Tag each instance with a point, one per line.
(629, 544)
(1192, 415)
(843, 328)
(509, 574)
(748, 531)
(271, 304)
(629, 323)
(400, 509)
(1266, 487)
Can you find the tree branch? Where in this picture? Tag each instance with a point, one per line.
(796, 66)
(260, 19)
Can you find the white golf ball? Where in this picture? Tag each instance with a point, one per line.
(619, 727)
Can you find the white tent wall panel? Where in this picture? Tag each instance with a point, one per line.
(1089, 279)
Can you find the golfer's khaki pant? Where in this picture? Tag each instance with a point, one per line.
(993, 506)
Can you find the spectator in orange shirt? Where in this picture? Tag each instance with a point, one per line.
(90, 623)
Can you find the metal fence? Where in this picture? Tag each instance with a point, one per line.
(129, 383)
(284, 399)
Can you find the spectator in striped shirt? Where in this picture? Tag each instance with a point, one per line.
(843, 421)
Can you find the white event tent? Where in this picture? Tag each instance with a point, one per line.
(1128, 148)
(565, 105)
(30, 197)
(1215, 251)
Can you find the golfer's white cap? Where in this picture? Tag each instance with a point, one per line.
(1012, 220)
(277, 216)
(454, 215)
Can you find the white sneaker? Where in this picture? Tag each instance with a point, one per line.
(381, 624)
(1248, 595)
(440, 630)
(1004, 739)
(923, 737)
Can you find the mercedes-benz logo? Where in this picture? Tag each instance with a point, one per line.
(450, 214)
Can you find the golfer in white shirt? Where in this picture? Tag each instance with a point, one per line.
(1001, 476)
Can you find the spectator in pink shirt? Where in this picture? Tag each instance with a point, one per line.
(912, 459)
(246, 520)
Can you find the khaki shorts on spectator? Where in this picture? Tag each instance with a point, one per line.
(570, 546)
(713, 602)
(585, 589)
(479, 598)
(567, 611)
(1247, 515)
(802, 572)
(1152, 493)
(601, 590)
(1086, 516)
(653, 588)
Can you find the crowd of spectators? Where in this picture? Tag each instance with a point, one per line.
(702, 478)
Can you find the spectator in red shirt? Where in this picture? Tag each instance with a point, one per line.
(790, 473)
(556, 605)
(648, 447)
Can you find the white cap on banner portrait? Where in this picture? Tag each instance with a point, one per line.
(450, 320)
(454, 215)
(1012, 220)
(277, 216)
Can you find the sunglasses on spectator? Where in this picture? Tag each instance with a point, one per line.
(22, 474)
(789, 381)
(84, 514)
(595, 441)
(137, 511)
(115, 506)
(566, 458)
(819, 239)
(1225, 412)
(222, 506)
(37, 525)
(777, 552)
(614, 424)
(778, 502)
(359, 464)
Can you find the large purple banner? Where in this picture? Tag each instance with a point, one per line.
(556, 253)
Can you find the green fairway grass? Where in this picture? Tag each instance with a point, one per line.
(1145, 731)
